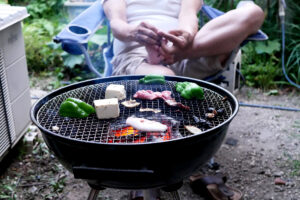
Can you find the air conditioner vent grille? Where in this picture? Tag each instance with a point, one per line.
(7, 133)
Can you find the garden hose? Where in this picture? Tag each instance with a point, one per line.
(282, 7)
(269, 107)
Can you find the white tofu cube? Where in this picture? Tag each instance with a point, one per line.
(115, 91)
(107, 108)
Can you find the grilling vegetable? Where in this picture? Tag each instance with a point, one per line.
(193, 129)
(189, 90)
(153, 79)
(130, 103)
(76, 108)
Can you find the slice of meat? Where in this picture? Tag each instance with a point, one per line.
(165, 95)
(174, 103)
(150, 95)
(150, 110)
(146, 125)
(147, 94)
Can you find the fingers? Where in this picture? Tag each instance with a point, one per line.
(147, 34)
(176, 32)
(168, 49)
(145, 40)
(149, 26)
(177, 41)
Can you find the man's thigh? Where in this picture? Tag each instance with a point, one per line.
(135, 62)
(198, 68)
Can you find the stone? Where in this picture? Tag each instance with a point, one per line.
(279, 181)
(278, 174)
(231, 141)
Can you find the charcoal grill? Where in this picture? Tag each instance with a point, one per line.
(87, 147)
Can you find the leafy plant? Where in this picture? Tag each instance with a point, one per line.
(267, 47)
(269, 53)
(40, 57)
(40, 8)
(58, 185)
(260, 64)
(7, 189)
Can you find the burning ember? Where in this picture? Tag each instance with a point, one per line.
(127, 131)
(130, 135)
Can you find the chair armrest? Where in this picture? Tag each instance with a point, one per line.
(211, 12)
(80, 29)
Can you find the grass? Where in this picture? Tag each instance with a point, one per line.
(42, 173)
(295, 168)
(296, 124)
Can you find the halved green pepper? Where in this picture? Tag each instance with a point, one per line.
(153, 79)
(76, 108)
(189, 90)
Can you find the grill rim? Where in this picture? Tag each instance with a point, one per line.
(37, 106)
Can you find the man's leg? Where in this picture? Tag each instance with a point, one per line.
(225, 33)
(146, 68)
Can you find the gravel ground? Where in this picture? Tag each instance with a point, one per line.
(260, 156)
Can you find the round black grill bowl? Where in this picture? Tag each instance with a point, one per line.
(140, 165)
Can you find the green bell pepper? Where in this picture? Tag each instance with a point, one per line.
(153, 79)
(189, 90)
(76, 108)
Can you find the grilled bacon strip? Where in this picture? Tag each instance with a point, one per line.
(165, 95)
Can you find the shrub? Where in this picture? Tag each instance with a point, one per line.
(263, 68)
(40, 57)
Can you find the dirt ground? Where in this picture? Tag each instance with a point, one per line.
(260, 156)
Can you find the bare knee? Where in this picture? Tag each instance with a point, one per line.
(162, 70)
(253, 18)
(145, 69)
(167, 72)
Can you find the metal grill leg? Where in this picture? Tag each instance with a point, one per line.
(150, 194)
(174, 195)
(147, 194)
(93, 194)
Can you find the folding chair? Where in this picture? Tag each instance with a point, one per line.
(75, 36)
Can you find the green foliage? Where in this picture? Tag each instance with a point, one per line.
(267, 47)
(264, 58)
(260, 64)
(40, 56)
(7, 189)
(293, 64)
(40, 8)
(295, 168)
(46, 20)
(58, 186)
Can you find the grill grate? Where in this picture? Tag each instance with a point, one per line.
(95, 130)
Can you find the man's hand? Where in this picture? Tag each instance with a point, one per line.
(174, 45)
(179, 38)
(146, 34)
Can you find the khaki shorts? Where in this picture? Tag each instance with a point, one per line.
(126, 63)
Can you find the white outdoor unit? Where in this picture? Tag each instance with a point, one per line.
(15, 99)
